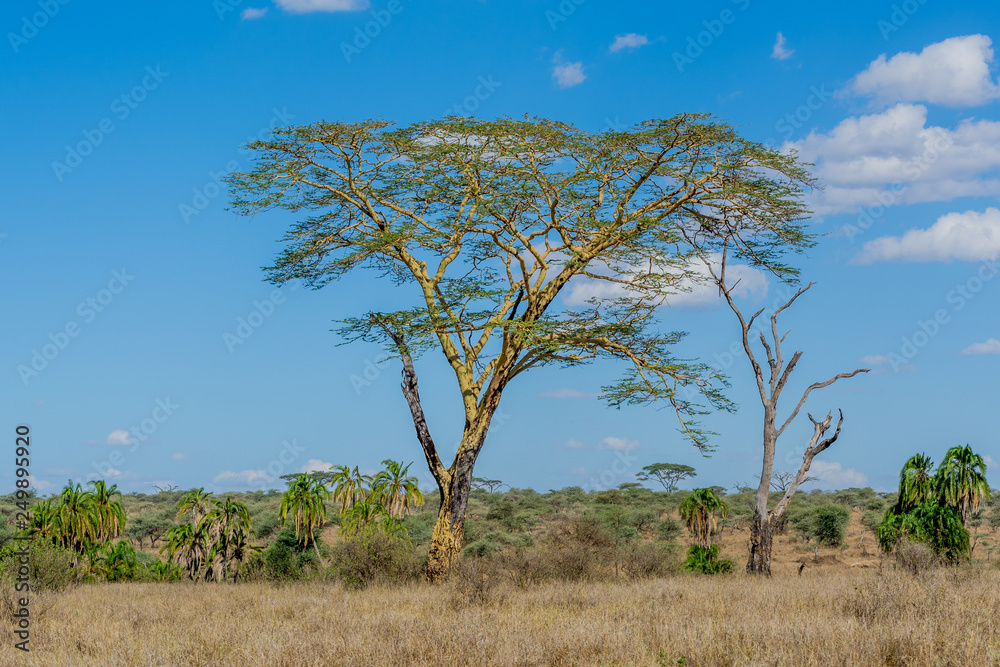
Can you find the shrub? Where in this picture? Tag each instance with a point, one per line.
(477, 582)
(706, 560)
(830, 524)
(374, 557)
(668, 529)
(51, 566)
(915, 557)
(652, 559)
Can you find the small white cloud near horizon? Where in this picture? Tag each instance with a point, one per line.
(578, 471)
(618, 444)
(253, 13)
(179, 456)
(307, 6)
(991, 346)
(834, 473)
(875, 360)
(567, 75)
(243, 477)
(779, 52)
(39, 484)
(971, 236)
(628, 41)
(566, 393)
(315, 465)
(954, 72)
(120, 437)
(990, 462)
(574, 444)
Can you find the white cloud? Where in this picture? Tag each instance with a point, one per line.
(991, 346)
(876, 159)
(969, 236)
(112, 472)
(179, 456)
(955, 73)
(566, 393)
(567, 75)
(618, 444)
(578, 471)
(306, 6)
(574, 444)
(315, 465)
(39, 484)
(120, 437)
(243, 477)
(779, 52)
(990, 462)
(875, 360)
(833, 473)
(628, 41)
(752, 283)
(251, 13)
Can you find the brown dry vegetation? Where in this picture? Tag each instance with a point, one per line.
(861, 617)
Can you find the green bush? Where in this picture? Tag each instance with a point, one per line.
(706, 560)
(668, 529)
(374, 557)
(830, 524)
(51, 566)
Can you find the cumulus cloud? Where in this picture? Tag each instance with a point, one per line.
(618, 444)
(251, 13)
(969, 236)
(991, 346)
(835, 474)
(753, 283)
(315, 465)
(955, 73)
(991, 464)
(566, 393)
(306, 6)
(179, 456)
(628, 41)
(567, 75)
(243, 478)
(779, 52)
(119, 437)
(877, 159)
(39, 484)
(875, 360)
(574, 444)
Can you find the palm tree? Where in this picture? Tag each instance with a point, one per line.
(45, 520)
(349, 486)
(962, 481)
(118, 562)
(222, 524)
(365, 516)
(109, 514)
(916, 482)
(397, 491)
(305, 499)
(187, 546)
(76, 517)
(698, 511)
(195, 500)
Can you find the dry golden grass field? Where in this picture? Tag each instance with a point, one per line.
(944, 617)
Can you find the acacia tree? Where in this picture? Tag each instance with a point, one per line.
(667, 474)
(770, 388)
(489, 222)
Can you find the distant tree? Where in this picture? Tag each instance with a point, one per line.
(830, 524)
(667, 474)
(782, 479)
(698, 511)
(491, 485)
(349, 486)
(226, 524)
(195, 501)
(397, 491)
(109, 514)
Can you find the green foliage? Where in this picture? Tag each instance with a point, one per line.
(667, 474)
(706, 560)
(938, 526)
(50, 565)
(698, 511)
(374, 557)
(830, 524)
(668, 529)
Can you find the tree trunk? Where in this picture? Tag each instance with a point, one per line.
(761, 538)
(449, 530)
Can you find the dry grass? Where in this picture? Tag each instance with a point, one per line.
(825, 617)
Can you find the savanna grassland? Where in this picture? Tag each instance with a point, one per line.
(561, 578)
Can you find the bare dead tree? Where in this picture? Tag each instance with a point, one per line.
(764, 520)
(781, 479)
(165, 489)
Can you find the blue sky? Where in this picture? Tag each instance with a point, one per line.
(126, 282)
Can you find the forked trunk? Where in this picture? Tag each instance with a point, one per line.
(449, 530)
(761, 538)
